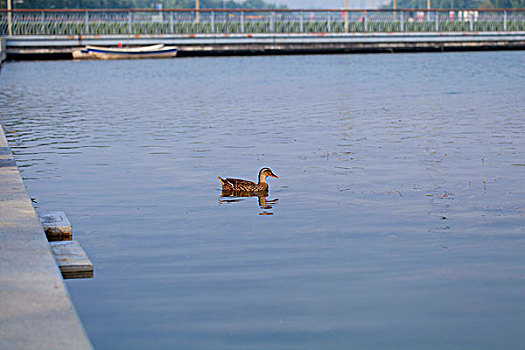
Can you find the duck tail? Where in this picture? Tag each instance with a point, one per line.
(223, 182)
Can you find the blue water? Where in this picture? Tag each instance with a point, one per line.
(397, 220)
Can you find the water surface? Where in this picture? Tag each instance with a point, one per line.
(397, 219)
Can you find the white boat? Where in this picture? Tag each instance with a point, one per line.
(111, 53)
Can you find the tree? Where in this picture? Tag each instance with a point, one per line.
(101, 4)
(458, 4)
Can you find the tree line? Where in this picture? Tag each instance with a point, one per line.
(255, 4)
(458, 4)
(125, 4)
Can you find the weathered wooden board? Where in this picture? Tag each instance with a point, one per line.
(56, 225)
(72, 260)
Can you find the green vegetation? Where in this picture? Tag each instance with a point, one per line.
(458, 4)
(167, 4)
(255, 4)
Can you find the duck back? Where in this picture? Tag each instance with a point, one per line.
(242, 185)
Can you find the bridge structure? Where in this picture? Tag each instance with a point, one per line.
(55, 33)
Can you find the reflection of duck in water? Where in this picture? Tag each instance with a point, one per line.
(264, 204)
(239, 185)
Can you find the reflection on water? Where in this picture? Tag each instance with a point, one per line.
(265, 204)
(400, 219)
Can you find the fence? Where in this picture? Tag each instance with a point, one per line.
(230, 21)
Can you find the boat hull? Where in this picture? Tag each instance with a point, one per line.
(106, 53)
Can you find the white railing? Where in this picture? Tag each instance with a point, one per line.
(229, 21)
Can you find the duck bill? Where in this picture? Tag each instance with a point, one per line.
(273, 175)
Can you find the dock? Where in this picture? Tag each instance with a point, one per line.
(41, 47)
(56, 225)
(70, 258)
(36, 309)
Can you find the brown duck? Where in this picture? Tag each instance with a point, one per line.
(248, 186)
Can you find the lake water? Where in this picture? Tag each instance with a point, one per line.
(397, 220)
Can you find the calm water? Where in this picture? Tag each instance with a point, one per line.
(398, 219)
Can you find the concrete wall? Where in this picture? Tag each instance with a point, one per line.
(3, 52)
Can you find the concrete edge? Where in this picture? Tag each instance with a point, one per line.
(36, 308)
(35, 41)
(3, 51)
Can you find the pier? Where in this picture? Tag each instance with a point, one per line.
(56, 33)
(37, 312)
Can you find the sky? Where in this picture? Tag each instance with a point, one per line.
(371, 4)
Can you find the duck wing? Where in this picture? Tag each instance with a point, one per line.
(238, 184)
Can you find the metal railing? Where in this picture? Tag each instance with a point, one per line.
(230, 21)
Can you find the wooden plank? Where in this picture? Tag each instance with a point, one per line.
(72, 259)
(56, 225)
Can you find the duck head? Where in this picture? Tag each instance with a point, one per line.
(264, 173)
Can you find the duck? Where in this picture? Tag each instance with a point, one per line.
(229, 184)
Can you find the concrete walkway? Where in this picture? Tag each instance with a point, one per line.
(35, 308)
